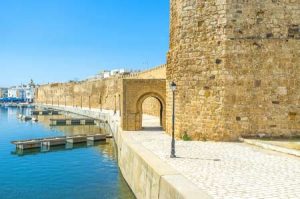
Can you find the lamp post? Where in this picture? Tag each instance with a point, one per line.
(173, 89)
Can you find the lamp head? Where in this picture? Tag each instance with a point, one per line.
(173, 86)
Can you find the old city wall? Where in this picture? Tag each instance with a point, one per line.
(151, 105)
(91, 94)
(197, 29)
(134, 94)
(236, 64)
(102, 94)
(158, 72)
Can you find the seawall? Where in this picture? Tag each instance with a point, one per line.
(146, 174)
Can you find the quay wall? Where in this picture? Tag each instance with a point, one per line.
(146, 174)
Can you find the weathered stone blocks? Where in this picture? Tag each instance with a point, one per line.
(237, 67)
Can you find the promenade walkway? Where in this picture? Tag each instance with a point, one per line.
(227, 170)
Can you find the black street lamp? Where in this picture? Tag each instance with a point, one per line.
(173, 89)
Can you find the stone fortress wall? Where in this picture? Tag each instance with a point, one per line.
(100, 94)
(93, 94)
(158, 72)
(151, 105)
(237, 67)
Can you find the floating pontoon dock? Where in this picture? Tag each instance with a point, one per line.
(72, 121)
(57, 141)
(45, 112)
(46, 149)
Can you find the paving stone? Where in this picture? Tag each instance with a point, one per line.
(243, 171)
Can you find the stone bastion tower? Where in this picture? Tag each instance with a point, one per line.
(236, 64)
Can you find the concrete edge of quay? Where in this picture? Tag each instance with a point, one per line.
(271, 147)
(146, 174)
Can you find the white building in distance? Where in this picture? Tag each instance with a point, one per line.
(106, 74)
(23, 92)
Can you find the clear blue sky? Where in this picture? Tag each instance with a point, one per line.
(59, 40)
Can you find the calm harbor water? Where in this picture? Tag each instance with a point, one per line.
(77, 173)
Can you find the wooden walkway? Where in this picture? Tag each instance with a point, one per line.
(57, 141)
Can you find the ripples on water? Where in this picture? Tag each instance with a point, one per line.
(78, 173)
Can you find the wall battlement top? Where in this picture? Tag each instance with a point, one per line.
(157, 72)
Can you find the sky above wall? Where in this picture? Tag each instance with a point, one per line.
(62, 40)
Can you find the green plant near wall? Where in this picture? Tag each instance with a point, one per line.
(186, 137)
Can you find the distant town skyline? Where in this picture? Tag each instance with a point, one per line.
(51, 41)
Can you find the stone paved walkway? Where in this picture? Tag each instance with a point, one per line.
(229, 170)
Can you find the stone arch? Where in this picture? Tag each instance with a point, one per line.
(134, 92)
(139, 111)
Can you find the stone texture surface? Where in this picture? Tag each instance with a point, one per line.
(228, 170)
(134, 92)
(148, 176)
(158, 72)
(102, 94)
(236, 64)
(151, 106)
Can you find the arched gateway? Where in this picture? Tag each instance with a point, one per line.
(134, 93)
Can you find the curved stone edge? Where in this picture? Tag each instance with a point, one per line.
(146, 174)
(150, 177)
